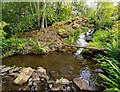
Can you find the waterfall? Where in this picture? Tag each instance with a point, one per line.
(84, 39)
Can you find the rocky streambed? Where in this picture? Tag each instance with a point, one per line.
(55, 72)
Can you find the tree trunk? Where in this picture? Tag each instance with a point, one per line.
(46, 22)
(43, 17)
(38, 8)
(31, 8)
(87, 47)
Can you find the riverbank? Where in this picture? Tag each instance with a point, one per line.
(53, 38)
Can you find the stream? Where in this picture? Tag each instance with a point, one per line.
(63, 66)
(57, 65)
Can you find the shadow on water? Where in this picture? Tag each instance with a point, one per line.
(62, 64)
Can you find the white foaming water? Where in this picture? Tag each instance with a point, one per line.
(82, 42)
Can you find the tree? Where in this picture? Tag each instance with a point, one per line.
(43, 16)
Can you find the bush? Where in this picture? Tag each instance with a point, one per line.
(101, 38)
(24, 24)
(110, 61)
(22, 46)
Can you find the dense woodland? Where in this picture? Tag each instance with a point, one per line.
(41, 27)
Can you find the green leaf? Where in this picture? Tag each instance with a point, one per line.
(107, 79)
(111, 90)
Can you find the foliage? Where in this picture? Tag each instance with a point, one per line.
(103, 15)
(13, 13)
(22, 46)
(112, 71)
(39, 48)
(80, 8)
(110, 61)
(73, 36)
(23, 16)
(2, 32)
(101, 38)
(112, 90)
(24, 24)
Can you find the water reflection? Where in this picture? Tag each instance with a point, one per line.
(88, 76)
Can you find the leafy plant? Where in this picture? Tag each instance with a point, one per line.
(39, 48)
(101, 38)
(26, 23)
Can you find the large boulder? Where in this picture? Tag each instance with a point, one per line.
(81, 84)
(23, 76)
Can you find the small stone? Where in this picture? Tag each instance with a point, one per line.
(3, 74)
(51, 81)
(5, 69)
(42, 70)
(62, 81)
(98, 70)
(1, 67)
(17, 69)
(50, 85)
(68, 89)
(42, 75)
(13, 74)
(35, 76)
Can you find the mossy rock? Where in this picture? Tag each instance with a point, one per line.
(63, 33)
(75, 26)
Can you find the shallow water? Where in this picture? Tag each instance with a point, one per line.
(61, 64)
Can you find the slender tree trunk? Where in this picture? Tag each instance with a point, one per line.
(46, 23)
(43, 17)
(38, 9)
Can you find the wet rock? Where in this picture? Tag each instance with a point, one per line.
(32, 84)
(98, 70)
(81, 84)
(6, 69)
(42, 75)
(23, 76)
(50, 85)
(41, 70)
(17, 69)
(3, 74)
(63, 33)
(75, 26)
(62, 81)
(51, 82)
(13, 74)
(1, 67)
(39, 76)
(60, 87)
(55, 87)
(35, 76)
(68, 89)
